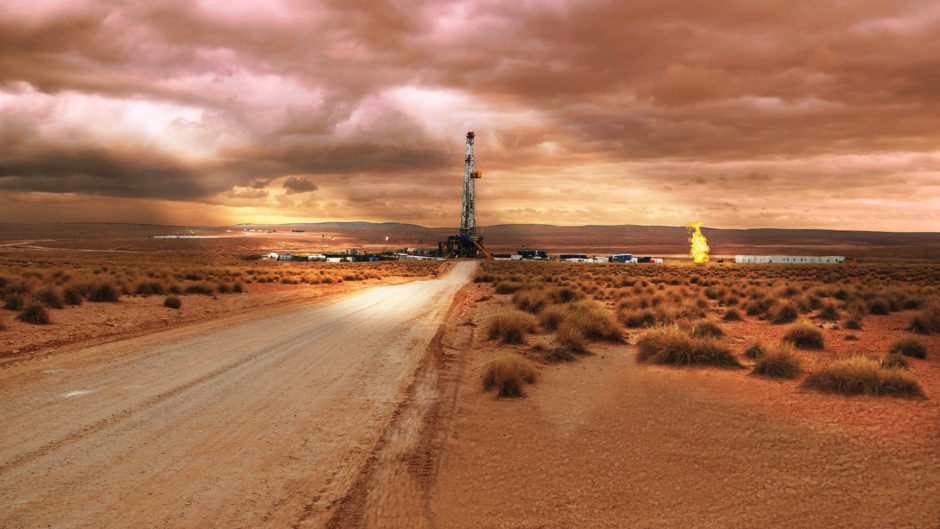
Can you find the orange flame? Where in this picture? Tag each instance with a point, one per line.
(700, 248)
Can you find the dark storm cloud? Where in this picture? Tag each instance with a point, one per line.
(295, 184)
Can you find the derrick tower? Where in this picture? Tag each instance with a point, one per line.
(467, 243)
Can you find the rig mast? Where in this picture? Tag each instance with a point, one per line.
(468, 212)
(467, 243)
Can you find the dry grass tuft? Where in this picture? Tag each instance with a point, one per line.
(507, 374)
(172, 302)
(512, 326)
(804, 335)
(34, 313)
(50, 296)
(778, 361)
(894, 361)
(786, 313)
(672, 345)
(860, 375)
(731, 315)
(909, 346)
(104, 293)
(928, 320)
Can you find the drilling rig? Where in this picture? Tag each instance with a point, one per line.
(466, 243)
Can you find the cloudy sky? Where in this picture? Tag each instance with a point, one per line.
(743, 113)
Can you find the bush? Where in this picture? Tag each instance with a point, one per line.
(928, 320)
(731, 315)
(50, 296)
(72, 294)
(13, 301)
(512, 326)
(852, 323)
(778, 361)
(786, 313)
(564, 295)
(704, 328)
(879, 306)
(507, 374)
(755, 351)
(804, 336)
(571, 337)
(552, 316)
(594, 322)
(557, 355)
(34, 313)
(530, 300)
(909, 346)
(507, 287)
(894, 361)
(829, 312)
(238, 288)
(146, 288)
(860, 375)
(200, 288)
(637, 318)
(172, 302)
(671, 345)
(104, 293)
(757, 307)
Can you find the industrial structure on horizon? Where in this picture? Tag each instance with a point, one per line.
(467, 243)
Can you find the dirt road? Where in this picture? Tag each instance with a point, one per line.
(240, 422)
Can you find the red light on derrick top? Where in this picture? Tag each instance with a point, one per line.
(470, 134)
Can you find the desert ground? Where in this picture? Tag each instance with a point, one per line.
(356, 394)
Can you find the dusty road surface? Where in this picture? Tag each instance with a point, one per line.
(241, 422)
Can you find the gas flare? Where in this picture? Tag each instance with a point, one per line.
(700, 248)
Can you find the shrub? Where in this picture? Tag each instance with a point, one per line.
(909, 346)
(829, 312)
(557, 355)
(564, 295)
(172, 302)
(13, 301)
(778, 361)
(34, 313)
(879, 306)
(928, 320)
(637, 318)
(238, 288)
(72, 294)
(507, 287)
(786, 313)
(530, 300)
(571, 337)
(50, 296)
(594, 322)
(507, 374)
(862, 375)
(552, 316)
(804, 336)
(512, 326)
(200, 288)
(757, 307)
(755, 350)
(223, 287)
(103, 293)
(146, 288)
(852, 323)
(731, 315)
(671, 345)
(704, 328)
(894, 361)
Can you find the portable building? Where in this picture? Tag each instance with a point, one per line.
(620, 258)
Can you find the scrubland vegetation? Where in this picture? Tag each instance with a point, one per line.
(33, 283)
(679, 313)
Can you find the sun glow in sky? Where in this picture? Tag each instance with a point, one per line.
(739, 114)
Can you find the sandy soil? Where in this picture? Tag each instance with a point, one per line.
(605, 442)
(261, 419)
(134, 315)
